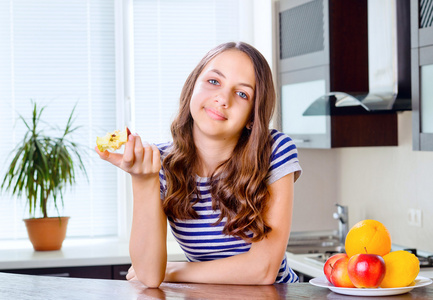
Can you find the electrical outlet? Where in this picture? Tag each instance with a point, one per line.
(414, 217)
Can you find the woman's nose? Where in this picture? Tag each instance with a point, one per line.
(223, 99)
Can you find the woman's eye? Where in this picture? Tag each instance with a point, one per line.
(213, 81)
(242, 95)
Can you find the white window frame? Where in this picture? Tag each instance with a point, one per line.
(258, 30)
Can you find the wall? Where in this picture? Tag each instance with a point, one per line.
(316, 191)
(380, 183)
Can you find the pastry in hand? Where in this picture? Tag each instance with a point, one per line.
(113, 140)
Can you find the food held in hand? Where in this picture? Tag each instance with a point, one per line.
(366, 270)
(340, 275)
(402, 267)
(368, 235)
(113, 140)
(329, 264)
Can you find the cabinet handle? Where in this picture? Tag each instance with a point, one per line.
(57, 275)
(298, 141)
(123, 273)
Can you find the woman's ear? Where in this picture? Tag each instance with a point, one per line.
(249, 125)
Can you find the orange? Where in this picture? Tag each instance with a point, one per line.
(368, 236)
(402, 268)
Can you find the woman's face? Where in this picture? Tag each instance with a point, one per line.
(223, 96)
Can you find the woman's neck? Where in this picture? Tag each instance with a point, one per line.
(211, 154)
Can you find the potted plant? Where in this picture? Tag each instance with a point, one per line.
(41, 168)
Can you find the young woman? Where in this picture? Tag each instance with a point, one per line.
(225, 183)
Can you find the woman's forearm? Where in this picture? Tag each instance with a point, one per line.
(148, 249)
(261, 264)
(245, 268)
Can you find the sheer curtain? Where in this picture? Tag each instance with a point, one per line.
(170, 37)
(60, 53)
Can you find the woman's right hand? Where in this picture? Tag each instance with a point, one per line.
(139, 159)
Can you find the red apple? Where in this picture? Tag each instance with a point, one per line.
(340, 274)
(329, 264)
(366, 270)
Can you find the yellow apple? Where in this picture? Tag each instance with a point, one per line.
(113, 140)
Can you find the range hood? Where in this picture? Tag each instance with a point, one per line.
(389, 68)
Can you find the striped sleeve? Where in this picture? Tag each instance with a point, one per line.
(284, 157)
(164, 149)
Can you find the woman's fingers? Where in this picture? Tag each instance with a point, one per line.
(156, 156)
(114, 158)
(152, 162)
(139, 158)
(138, 149)
(147, 161)
(128, 153)
(131, 274)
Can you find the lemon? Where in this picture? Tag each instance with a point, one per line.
(402, 268)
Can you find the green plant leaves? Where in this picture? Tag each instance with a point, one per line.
(43, 165)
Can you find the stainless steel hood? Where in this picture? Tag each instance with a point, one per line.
(389, 61)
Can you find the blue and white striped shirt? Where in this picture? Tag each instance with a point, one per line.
(202, 241)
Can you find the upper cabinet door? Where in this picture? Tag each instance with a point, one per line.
(422, 73)
(323, 56)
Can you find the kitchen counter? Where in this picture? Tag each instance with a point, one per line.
(23, 287)
(112, 252)
(74, 253)
(302, 263)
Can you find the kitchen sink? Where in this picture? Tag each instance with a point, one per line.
(314, 242)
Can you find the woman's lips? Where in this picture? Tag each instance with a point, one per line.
(214, 114)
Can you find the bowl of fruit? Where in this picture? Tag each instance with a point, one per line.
(369, 267)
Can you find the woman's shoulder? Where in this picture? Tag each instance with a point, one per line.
(284, 157)
(279, 139)
(164, 148)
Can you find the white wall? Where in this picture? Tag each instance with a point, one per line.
(380, 183)
(316, 191)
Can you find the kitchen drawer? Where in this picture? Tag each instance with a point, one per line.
(120, 271)
(101, 272)
(303, 277)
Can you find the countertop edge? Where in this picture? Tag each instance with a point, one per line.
(299, 263)
(110, 252)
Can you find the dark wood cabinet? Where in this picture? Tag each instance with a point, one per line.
(303, 277)
(120, 271)
(96, 272)
(323, 48)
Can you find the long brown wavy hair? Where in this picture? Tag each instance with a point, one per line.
(239, 190)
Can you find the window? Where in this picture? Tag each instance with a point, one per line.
(170, 37)
(60, 53)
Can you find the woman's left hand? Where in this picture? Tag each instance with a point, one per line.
(131, 274)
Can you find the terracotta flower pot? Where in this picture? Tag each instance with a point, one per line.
(47, 234)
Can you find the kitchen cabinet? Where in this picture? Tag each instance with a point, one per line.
(303, 277)
(96, 258)
(422, 74)
(323, 48)
(97, 272)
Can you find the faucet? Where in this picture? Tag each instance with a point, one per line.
(343, 219)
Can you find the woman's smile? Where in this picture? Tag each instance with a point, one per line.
(215, 114)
